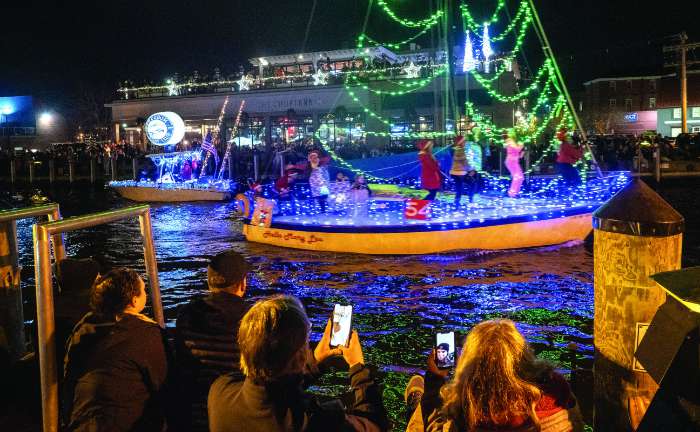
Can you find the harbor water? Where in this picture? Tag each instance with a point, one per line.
(400, 302)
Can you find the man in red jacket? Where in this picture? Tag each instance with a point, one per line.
(430, 177)
(569, 154)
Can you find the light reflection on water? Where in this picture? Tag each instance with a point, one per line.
(400, 302)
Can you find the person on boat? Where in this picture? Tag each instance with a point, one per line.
(464, 171)
(186, 171)
(279, 366)
(360, 193)
(117, 362)
(514, 152)
(340, 191)
(569, 153)
(205, 336)
(284, 186)
(498, 384)
(472, 150)
(458, 171)
(431, 178)
(319, 180)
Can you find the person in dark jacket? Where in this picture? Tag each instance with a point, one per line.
(275, 358)
(205, 337)
(116, 363)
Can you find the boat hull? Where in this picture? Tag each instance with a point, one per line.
(517, 235)
(150, 194)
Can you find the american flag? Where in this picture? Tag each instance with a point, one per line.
(208, 146)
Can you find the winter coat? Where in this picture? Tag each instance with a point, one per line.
(569, 153)
(557, 411)
(285, 406)
(430, 171)
(319, 181)
(459, 162)
(206, 347)
(115, 372)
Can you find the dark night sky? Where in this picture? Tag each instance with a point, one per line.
(52, 49)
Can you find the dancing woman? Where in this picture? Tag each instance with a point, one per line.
(514, 152)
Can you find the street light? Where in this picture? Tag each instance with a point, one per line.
(45, 119)
(6, 111)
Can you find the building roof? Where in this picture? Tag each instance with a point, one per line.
(628, 78)
(335, 55)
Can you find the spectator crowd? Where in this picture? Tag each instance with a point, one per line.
(235, 365)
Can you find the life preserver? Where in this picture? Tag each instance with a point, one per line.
(242, 206)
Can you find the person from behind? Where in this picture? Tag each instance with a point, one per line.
(431, 179)
(569, 153)
(205, 336)
(116, 363)
(276, 360)
(498, 384)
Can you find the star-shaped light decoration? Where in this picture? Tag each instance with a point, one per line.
(412, 71)
(172, 88)
(244, 83)
(320, 77)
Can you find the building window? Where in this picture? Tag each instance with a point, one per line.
(675, 131)
(613, 103)
(695, 113)
(613, 85)
(652, 85)
(677, 113)
(629, 85)
(696, 129)
(628, 105)
(652, 103)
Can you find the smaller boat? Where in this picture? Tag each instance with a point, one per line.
(152, 192)
(174, 182)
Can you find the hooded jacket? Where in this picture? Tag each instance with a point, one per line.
(205, 340)
(115, 372)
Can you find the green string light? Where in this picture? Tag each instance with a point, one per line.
(472, 22)
(393, 45)
(415, 86)
(524, 12)
(545, 70)
(431, 20)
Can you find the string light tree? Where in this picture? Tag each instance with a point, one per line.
(542, 213)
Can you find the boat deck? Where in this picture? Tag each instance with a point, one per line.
(386, 214)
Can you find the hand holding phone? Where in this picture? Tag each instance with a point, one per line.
(341, 325)
(445, 350)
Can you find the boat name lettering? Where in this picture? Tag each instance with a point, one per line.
(311, 239)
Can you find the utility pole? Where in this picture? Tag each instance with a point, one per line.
(683, 49)
(684, 83)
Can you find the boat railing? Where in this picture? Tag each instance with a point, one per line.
(46, 324)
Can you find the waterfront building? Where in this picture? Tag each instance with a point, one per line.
(289, 97)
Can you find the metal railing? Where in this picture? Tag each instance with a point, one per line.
(10, 277)
(44, 293)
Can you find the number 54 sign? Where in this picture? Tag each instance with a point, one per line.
(417, 209)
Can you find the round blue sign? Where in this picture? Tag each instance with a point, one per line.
(165, 128)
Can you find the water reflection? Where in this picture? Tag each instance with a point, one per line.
(400, 302)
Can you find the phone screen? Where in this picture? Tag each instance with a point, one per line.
(342, 321)
(445, 350)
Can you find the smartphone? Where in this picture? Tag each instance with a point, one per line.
(445, 350)
(341, 325)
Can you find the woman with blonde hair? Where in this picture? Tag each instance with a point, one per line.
(499, 384)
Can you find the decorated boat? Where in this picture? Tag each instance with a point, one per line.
(180, 176)
(172, 181)
(391, 223)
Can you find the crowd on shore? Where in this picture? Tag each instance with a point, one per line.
(235, 365)
(613, 152)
